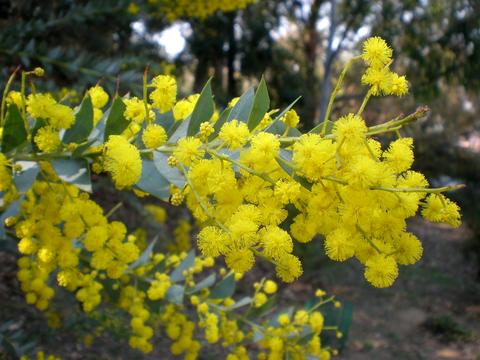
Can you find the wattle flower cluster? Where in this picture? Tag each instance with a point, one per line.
(256, 186)
(196, 8)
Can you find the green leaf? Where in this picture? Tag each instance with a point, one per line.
(175, 294)
(74, 171)
(166, 120)
(145, 254)
(319, 128)
(205, 283)
(172, 174)
(116, 122)
(83, 123)
(203, 110)
(24, 180)
(224, 288)
(186, 263)
(179, 130)
(242, 109)
(257, 313)
(261, 104)
(14, 132)
(240, 303)
(78, 152)
(153, 182)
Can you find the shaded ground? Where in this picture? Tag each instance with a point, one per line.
(432, 311)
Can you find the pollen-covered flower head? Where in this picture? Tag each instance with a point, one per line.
(234, 134)
(154, 136)
(184, 108)
(98, 96)
(165, 93)
(380, 80)
(376, 52)
(123, 161)
(381, 271)
(47, 139)
(188, 150)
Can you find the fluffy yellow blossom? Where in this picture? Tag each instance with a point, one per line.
(212, 241)
(188, 150)
(5, 173)
(291, 118)
(380, 80)
(123, 161)
(98, 96)
(47, 139)
(235, 134)
(184, 108)
(15, 97)
(135, 110)
(399, 85)
(44, 106)
(399, 155)
(440, 209)
(240, 260)
(376, 52)
(270, 287)
(164, 94)
(289, 267)
(381, 271)
(154, 136)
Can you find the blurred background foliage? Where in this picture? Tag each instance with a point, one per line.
(300, 46)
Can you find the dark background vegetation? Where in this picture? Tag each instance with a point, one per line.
(300, 47)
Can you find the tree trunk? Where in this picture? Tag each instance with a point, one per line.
(327, 65)
(310, 49)
(232, 51)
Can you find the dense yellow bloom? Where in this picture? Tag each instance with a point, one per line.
(235, 134)
(409, 250)
(264, 148)
(339, 245)
(276, 242)
(240, 260)
(270, 287)
(381, 271)
(376, 52)
(399, 85)
(159, 287)
(212, 241)
(44, 106)
(291, 118)
(188, 150)
(184, 108)
(5, 173)
(351, 129)
(440, 209)
(15, 97)
(98, 96)
(154, 136)
(289, 267)
(380, 80)
(165, 93)
(198, 8)
(135, 110)
(47, 139)
(314, 156)
(399, 155)
(39, 105)
(123, 161)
